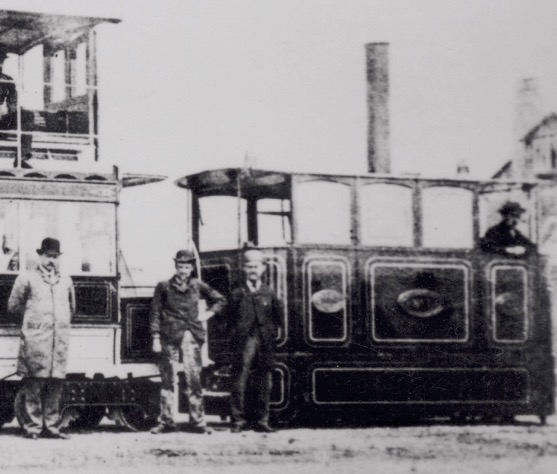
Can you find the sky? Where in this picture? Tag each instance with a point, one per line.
(193, 84)
(187, 85)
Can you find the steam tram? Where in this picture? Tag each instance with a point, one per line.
(390, 309)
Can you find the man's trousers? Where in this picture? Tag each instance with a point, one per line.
(186, 356)
(37, 405)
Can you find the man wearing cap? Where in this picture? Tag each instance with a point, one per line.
(178, 333)
(45, 300)
(504, 238)
(254, 314)
(8, 96)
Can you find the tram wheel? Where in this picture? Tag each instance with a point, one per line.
(6, 417)
(133, 418)
(83, 418)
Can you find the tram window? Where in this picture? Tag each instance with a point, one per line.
(9, 234)
(326, 300)
(509, 306)
(490, 203)
(273, 222)
(58, 76)
(219, 227)
(96, 233)
(32, 92)
(447, 217)
(86, 232)
(79, 70)
(323, 212)
(386, 215)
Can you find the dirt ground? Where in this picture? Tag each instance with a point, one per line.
(524, 447)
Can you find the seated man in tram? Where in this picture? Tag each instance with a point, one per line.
(8, 96)
(504, 238)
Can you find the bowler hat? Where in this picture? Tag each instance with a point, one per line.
(511, 208)
(49, 245)
(184, 256)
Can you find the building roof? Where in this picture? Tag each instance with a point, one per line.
(527, 139)
(532, 133)
(20, 31)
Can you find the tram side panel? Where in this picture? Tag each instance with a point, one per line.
(439, 339)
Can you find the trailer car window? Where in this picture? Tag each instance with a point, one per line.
(86, 232)
(9, 235)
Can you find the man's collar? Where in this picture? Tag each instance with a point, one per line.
(253, 287)
(48, 271)
(179, 283)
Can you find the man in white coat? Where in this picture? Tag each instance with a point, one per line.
(45, 300)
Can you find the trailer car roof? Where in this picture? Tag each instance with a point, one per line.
(20, 31)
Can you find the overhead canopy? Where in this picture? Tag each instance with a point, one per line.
(20, 31)
(249, 183)
(132, 179)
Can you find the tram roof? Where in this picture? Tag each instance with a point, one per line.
(276, 184)
(20, 31)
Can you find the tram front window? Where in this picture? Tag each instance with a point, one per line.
(273, 222)
(223, 223)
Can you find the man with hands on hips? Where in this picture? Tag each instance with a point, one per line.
(177, 332)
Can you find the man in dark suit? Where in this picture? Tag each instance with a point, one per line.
(504, 238)
(254, 314)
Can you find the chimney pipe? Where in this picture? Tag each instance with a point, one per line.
(377, 66)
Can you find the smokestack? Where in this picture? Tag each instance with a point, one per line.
(379, 150)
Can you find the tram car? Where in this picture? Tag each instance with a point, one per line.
(391, 310)
(52, 183)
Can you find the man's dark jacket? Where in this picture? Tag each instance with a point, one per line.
(248, 312)
(174, 309)
(500, 236)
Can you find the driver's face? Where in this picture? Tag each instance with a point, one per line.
(184, 270)
(512, 220)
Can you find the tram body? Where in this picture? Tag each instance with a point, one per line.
(390, 308)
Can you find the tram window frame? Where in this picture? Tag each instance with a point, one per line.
(431, 237)
(301, 224)
(489, 204)
(240, 233)
(30, 240)
(276, 277)
(56, 88)
(507, 301)
(367, 222)
(310, 299)
(265, 211)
